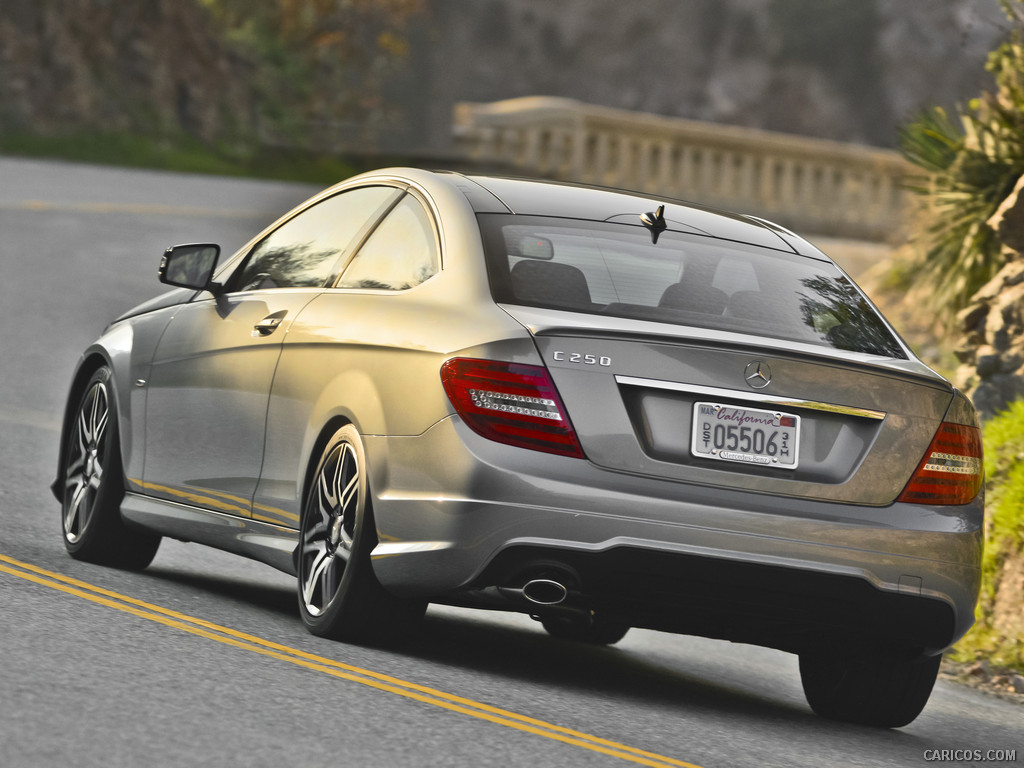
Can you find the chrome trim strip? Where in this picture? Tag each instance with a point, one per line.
(754, 397)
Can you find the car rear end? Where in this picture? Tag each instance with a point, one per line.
(717, 435)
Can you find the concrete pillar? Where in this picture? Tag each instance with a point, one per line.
(529, 151)
(600, 162)
(686, 174)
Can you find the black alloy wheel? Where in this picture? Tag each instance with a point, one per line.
(339, 596)
(94, 485)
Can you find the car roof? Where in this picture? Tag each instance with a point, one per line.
(534, 197)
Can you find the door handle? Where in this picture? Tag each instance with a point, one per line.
(268, 324)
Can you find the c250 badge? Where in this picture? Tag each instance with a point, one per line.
(581, 358)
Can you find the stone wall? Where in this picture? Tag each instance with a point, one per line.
(991, 349)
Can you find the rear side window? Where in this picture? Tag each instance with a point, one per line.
(401, 252)
(614, 269)
(306, 250)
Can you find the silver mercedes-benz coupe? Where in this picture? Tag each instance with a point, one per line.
(598, 408)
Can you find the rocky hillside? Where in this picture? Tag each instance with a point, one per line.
(850, 70)
(116, 66)
(843, 69)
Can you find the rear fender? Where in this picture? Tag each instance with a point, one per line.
(961, 411)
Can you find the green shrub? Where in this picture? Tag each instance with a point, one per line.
(971, 164)
(1004, 536)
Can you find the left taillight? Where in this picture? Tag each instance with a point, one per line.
(951, 471)
(510, 403)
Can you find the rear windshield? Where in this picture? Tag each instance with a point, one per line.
(615, 269)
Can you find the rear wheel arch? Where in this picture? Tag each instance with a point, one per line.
(316, 451)
(339, 596)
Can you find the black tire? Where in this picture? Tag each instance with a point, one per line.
(93, 481)
(883, 688)
(585, 628)
(339, 596)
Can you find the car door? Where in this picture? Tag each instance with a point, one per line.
(210, 378)
(349, 355)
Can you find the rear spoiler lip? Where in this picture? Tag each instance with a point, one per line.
(552, 323)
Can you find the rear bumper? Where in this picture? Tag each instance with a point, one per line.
(777, 606)
(456, 512)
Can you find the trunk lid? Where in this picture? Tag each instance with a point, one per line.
(632, 388)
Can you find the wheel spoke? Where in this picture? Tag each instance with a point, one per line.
(94, 406)
(316, 568)
(72, 525)
(329, 580)
(75, 469)
(348, 493)
(349, 500)
(327, 497)
(92, 418)
(315, 536)
(100, 419)
(344, 549)
(336, 478)
(71, 516)
(83, 432)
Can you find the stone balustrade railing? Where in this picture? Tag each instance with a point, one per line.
(811, 185)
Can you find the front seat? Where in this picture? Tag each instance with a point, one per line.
(550, 284)
(694, 298)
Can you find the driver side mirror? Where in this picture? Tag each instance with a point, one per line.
(190, 266)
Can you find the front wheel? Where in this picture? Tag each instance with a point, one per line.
(882, 688)
(94, 485)
(339, 596)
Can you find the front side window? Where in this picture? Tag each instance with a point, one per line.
(305, 251)
(614, 269)
(401, 252)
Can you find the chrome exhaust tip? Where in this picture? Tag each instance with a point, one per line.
(545, 591)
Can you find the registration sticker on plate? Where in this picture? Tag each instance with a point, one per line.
(746, 435)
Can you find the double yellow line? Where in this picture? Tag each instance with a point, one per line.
(327, 666)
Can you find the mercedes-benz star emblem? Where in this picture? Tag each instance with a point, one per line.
(758, 374)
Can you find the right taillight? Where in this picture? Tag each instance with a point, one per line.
(510, 403)
(951, 471)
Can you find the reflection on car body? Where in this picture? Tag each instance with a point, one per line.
(600, 409)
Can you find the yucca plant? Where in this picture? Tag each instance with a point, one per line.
(971, 162)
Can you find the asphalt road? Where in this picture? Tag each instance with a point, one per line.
(202, 660)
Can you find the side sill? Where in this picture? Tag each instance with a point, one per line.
(270, 544)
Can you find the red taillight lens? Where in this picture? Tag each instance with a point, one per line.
(510, 403)
(951, 470)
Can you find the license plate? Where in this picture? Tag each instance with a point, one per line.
(745, 435)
